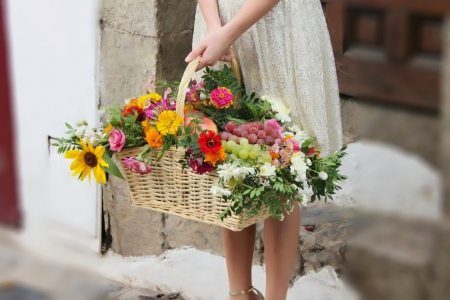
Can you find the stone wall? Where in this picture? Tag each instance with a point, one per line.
(139, 39)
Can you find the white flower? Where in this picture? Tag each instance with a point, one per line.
(299, 166)
(281, 111)
(92, 141)
(294, 128)
(308, 162)
(242, 172)
(300, 137)
(217, 190)
(202, 96)
(226, 170)
(287, 133)
(323, 175)
(267, 170)
(297, 134)
(303, 199)
(80, 131)
(127, 101)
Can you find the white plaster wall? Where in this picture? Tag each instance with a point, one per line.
(54, 51)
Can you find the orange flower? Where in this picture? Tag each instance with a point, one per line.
(274, 155)
(153, 138)
(317, 152)
(108, 129)
(213, 158)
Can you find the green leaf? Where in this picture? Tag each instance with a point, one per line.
(112, 169)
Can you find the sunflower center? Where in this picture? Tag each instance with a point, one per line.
(90, 159)
(211, 143)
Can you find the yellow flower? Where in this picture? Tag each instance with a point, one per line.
(153, 138)
(213, 158)
(145, 101)
(108, 129)
(168, 122)
(86, 160)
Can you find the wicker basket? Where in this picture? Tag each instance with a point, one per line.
(184, 193)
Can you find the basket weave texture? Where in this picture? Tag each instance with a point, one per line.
(170, 189)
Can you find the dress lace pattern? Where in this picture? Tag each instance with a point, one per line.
(287, 55)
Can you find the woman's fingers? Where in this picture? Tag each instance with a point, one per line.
(206, 61)
(195, 53)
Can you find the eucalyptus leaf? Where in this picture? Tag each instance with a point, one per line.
(112, 167)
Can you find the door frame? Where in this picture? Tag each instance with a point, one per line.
(9, 205)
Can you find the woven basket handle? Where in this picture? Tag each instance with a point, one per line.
(186, 79)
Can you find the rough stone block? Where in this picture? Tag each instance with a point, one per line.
(136, 17)
(413, 131)
(134, 231)
(391, 259)
(173, 50)
(127, 63)
(174, 16)
(183, 232)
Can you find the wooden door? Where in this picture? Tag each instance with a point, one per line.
(388, 50)
(9, 212)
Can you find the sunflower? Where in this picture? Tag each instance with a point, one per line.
(168, 122)
(86, 160)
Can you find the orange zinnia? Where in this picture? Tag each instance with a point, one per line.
(274, 155)
(153, 138)
(213, 158)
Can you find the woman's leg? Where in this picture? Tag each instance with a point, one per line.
(239, 247)
(280, 250)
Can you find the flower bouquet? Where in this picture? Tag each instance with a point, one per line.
(208, 152)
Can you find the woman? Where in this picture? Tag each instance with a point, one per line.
(284, 51)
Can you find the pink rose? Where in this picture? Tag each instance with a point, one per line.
(116, 140)
(274, 125)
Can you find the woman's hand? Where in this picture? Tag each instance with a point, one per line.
(214, 47)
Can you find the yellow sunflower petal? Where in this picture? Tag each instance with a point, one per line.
(72, 154)
(83, 144)
(78, 160)
(91, 149)
(103, 175)
(99, 174)
(86, 171)
(79, 168)
(99, 151)
(102, 163)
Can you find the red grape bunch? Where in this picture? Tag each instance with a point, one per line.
(254, 132)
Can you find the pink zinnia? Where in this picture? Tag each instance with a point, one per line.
(136, 166)
(221, 97)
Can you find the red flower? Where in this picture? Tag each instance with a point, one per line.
(312, 151)
(132, 110)
(199, 167)
(209, 142)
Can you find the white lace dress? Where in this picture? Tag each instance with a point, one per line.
(287, 55)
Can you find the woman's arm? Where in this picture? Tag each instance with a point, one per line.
(217, 42)
(210, 12)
